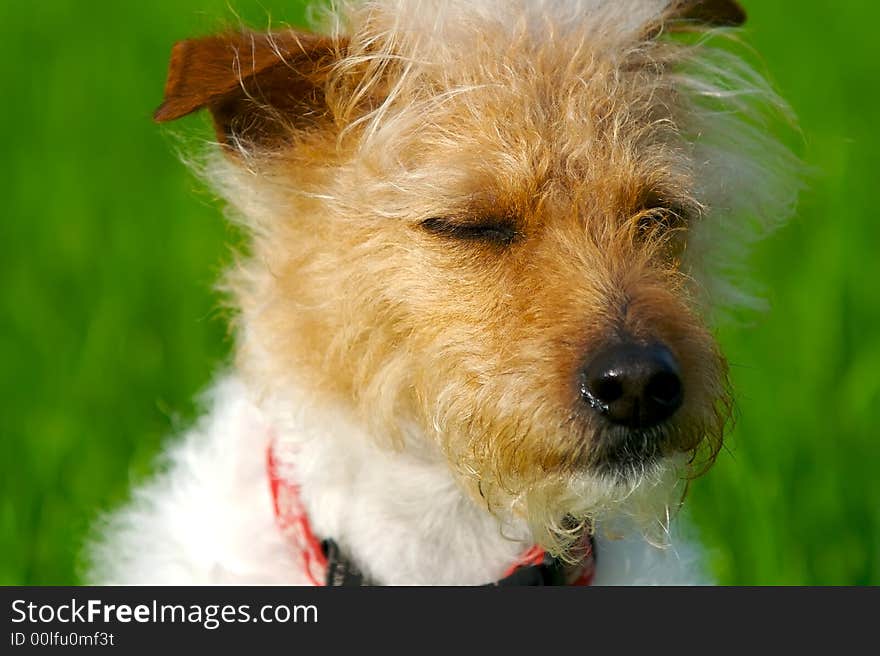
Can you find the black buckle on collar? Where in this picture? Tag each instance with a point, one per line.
(342, 573)
(550, 572)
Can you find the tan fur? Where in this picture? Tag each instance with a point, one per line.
(601, 137)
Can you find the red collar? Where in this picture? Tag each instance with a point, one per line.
(534, 567)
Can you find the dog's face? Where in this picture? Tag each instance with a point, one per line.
(491, 244)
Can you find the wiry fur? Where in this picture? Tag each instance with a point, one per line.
(444, 371)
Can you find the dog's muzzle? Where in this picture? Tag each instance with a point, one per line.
(632, 390)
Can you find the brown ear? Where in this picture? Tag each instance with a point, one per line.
(720, 13)
(256, 85)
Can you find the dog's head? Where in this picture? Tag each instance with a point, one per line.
(498, 223)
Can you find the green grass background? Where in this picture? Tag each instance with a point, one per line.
(109, 326)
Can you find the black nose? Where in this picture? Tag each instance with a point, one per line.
(633, 385)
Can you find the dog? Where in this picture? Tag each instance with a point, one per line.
(473, 342)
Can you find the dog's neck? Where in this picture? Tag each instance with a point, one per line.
(400, 516)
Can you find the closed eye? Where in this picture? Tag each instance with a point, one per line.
(661, 218)
(497, 231)
(658, 211)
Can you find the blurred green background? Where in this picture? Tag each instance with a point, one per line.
(109, 322)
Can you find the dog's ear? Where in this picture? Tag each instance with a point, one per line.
(717, 13)
(682, 15)
(257, 86)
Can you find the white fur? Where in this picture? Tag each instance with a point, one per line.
(207, 518)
